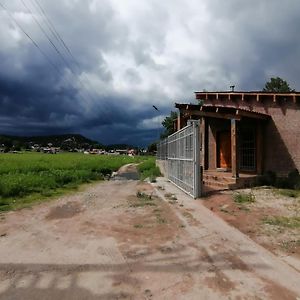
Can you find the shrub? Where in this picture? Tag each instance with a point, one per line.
(243, 198)
(149, 169)
(282, 183)
(268, 178)
(294, 179)
(289, 193)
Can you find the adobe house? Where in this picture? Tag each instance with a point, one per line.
(244, 134)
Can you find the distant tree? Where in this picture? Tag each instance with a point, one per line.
(152, 148)
(277, 85)
(17, 146)
(168, 124)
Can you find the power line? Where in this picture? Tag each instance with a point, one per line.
(54, 31)
(51, 26)
(46, 35)
(32, 40)
(55, 47)
(29, 37)
(59, 38)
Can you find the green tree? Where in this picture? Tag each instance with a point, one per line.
(168, 124)
(152, 148)
(277, 85)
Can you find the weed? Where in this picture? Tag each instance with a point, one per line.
(289, 193)
(160, 220)
(138, 226)
(142, 204)
(144, 200)
(281, 221)
(141, 195)
(244, 198)
(290, 245)
(172, 202)
(187, 215)
(152, 179)
(148, 169)
(170, 196)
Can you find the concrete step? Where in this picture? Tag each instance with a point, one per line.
(218, 185)
(218, 178)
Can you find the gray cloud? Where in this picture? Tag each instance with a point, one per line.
(132, 54)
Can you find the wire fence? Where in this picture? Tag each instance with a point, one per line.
(182, 152)
(162, 149)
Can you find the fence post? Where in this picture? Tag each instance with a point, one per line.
(197, 167)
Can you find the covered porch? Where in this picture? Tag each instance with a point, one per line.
(231, 143)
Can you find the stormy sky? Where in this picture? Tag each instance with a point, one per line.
(96, 67)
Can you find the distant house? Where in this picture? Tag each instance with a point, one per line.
(244, 134)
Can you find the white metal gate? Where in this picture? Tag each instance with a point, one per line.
(183, 158)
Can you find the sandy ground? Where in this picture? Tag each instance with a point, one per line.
(107, 243)
(250, 219)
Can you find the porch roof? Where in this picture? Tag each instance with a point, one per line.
(219, 111)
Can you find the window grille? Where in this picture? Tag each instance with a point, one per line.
(248, 150)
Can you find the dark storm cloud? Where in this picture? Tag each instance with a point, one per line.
(134, 54)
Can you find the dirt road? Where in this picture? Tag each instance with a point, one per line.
(119, 240)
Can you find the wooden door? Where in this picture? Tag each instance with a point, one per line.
(224, 150)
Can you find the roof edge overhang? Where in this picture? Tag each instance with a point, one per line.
(244, 96)
(219, 111)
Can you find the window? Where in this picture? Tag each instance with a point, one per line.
(248, 150)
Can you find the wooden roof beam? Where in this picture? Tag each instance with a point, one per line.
(249, 114)
(213, 115)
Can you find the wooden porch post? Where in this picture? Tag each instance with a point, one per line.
(179, 121)
(259, 151)
(202, 141)
(234, 149)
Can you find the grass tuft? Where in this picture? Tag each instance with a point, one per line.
(138, 226)
(289, 193)
(244, 198)
(148, 169)
(143, 200)
(280, 221)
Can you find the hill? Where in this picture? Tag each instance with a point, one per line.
(65, 141)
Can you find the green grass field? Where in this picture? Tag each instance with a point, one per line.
(33, 177)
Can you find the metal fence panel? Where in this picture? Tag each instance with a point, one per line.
(162, 149)
(183, 158)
